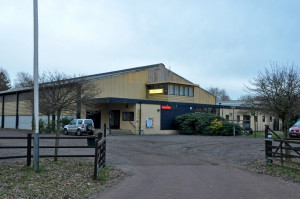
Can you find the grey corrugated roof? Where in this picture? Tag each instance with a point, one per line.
(93, 77)
(119, 72)
(15, 90)
(231, 103)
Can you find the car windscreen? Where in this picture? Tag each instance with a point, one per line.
(297, 123)
(72, 122)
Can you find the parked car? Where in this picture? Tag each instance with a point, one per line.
(294, 131)
(79, 126)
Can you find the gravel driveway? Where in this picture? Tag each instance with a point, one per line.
(190, 167)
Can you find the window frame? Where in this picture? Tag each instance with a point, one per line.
(191, 91)
(176, 90)
(128, 116)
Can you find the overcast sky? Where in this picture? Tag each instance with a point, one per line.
(211, 43)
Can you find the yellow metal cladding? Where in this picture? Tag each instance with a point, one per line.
(159, 97)
(130, 85)
(10, 105)
(25, 108)
(180, 80)
(133, 85)
(203, 97)
(10, 108)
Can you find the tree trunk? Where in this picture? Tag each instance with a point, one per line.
(285, 126)
(285, 134)
(48, 121)
(57, 134)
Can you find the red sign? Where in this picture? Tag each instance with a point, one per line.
(166, 107)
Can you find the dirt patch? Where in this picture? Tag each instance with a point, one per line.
(67, 178)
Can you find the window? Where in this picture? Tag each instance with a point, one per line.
(79, 121)
(263, 119)
(270, 119)
(255, 118)
(186, 91)
(128, 116)
(165, 86)
(238, 118)
(227, 117)
(88, 121)
(191, 91)
(181, 90)
(176, 90)
(171, 89)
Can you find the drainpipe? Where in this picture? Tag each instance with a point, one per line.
(109, 120)
(140, 123)
(2, 119)
(17, 110)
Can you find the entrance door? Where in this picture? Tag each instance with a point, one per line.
(115, 119)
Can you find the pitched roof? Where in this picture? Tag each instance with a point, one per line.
(93, 77)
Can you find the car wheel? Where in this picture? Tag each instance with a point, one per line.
(66, 132)
(78, 132)
(89, 127)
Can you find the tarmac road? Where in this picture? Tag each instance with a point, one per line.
(181, 167)
(190, 167)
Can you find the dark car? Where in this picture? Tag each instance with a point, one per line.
(294, 131)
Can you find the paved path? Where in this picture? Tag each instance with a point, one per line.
(190, 167)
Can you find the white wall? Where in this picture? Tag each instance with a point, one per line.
(10, 122)
(25, 122)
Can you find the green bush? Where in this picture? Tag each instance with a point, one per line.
(228, 129)
(42, 125)
(205, 124)
(186, 123)
(65, 120)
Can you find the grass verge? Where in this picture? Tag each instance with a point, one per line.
(261, 134)
(67, 178)
(289, 170)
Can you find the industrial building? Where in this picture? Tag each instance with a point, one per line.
(141, 100)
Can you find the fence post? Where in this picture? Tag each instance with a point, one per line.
(266, 131)
(29, 138)
(96, 160)
(100, 136)
(104, 155)
(268, 146)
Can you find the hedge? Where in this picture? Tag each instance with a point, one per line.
(205, 124)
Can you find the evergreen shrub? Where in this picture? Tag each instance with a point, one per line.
(205, 124)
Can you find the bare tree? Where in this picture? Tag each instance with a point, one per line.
(23, 80)
(59, 92)
(277, 92)
(4, 80)
(221, 94)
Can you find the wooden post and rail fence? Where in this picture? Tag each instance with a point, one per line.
(278, 147)
(97, 142)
